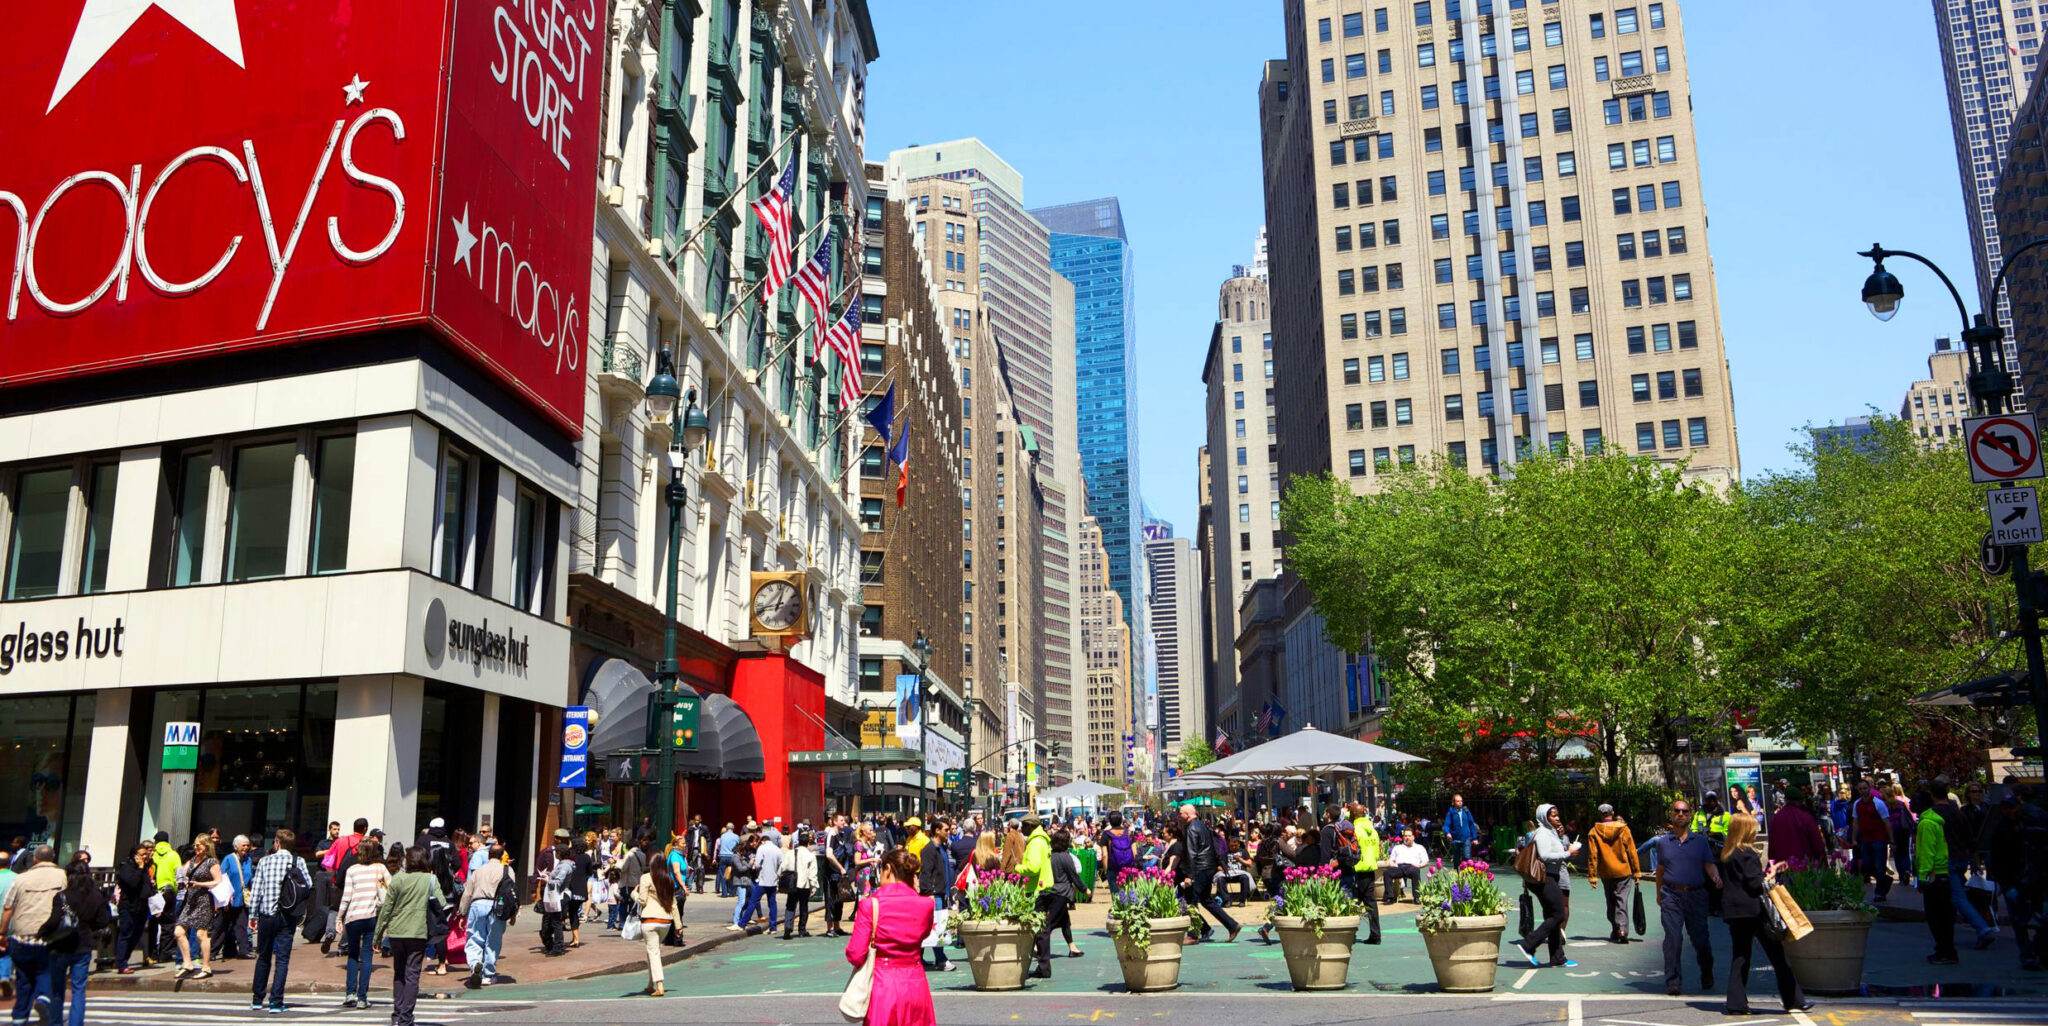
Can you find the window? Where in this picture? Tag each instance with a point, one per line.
(1388, 192)
(1660, 338)
(1442, 270)
(259, 510)
(1631, 63)
(334, 471)
(1379, 413)
(1425, 55)
(1557, 76)
(1660, 58)
(1323, 30)
(1397, 320)
(1582, 347)
(451, 523)
(1646, 436)
(1580, 301)
(1567, 164)
(1570, 206)
(1539, 258)
(1347, 325)
(1406, 454)
(1525, 82)
(1590, 441)
(1376, 369)
(1390, 230)
(1351, 371)
(1532, 169)
(1432, 140)
(1357, 465)
(1354, 417)
(1340, 194)
(1379, 19)
(1366, 236)
(1553, 33)
(1575, 256)
(1403, 412)
(1681, 287)
(1646, 198)
(1343, 238)
(1386, 62)
(1482, 358)
(1694, 387)
(1329, 69)
(1667, 385)
(1553, 397)
(187, 529)
(1688, 335)
(1635, 340)
(1329, 118)
(1244, 485)
(1639, 388)
(1696, 430)
(1549, 351)
(1394, 280)
(35, 553)
(1640, 150)
(1448, 360)
(1422, 14)
(1610, 109)
(1439, 226)
(1621, 205)
(1380, 459)
(530, 549)
(1625, 21)
(1675, 237)
(1447, 315)
(1631, 292)
(1660, 104)
(1653, 245)
(1429, 102)
(1598, 24)
(1561, 119)
(1671, 434)
(1519, 38)
(1360, 106)
(1354, 65)
(1674, 196)
(1656, 16)
(1617, 156)
(1346, 282)
(1656, 289)
(1354, 24)
(100, 483)
(1531, 126)
(1400, 362)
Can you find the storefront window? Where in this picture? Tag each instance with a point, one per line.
(333, 493)
(188, 531)
(259, 514)
(35, 553)
(99, 527)
(266, 755)
(526, 561)
(43, 748)
(454, 520)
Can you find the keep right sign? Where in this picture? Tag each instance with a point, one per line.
(2003, 448)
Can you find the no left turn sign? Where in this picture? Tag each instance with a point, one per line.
(2003, 448)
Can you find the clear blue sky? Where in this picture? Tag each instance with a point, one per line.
(1817, 137)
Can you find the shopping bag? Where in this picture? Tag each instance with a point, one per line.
(457, 944)
(1642, 921)
(1796, 925)
(631, 931)
(1528, 923)
(937, 938)
(853, 1001)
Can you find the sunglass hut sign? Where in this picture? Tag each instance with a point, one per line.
(180, 179)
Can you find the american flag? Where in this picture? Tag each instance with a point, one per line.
(844, 337)
(774, 212)
(812, 279)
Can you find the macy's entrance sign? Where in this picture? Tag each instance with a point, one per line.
(185, 179)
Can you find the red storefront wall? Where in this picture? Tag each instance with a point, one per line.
(786, 701)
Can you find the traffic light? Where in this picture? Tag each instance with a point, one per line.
(683, 723)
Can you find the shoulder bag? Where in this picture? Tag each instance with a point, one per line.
(853, 1004)
(1529, 864)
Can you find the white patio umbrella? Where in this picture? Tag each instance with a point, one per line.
(1078, 789)
(1309, 751)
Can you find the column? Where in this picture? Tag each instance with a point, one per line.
(135, 499)
(487, 766)
(397, 460)
(377, 752)
(107, 774)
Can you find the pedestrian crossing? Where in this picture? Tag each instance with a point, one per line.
(1986, 1013)
(221, 1009)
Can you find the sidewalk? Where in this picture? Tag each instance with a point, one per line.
(602, 953)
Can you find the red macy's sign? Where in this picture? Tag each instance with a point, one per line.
(181, 178)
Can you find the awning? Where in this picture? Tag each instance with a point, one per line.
(863, 758)
(739, 741)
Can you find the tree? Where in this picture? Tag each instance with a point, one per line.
(1194, 754)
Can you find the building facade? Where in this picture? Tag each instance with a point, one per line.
(1108, 751)
(703, 110)
(1487, 233)
(2022, 210)
(1174, 572)
(1089, 247)
(1024, 337)
(1242, 498)
(1990, 54)
(1936, 404)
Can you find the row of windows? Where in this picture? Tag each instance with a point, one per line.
(1633, 290)
(1361, 148)
(1643, 198)
(1654, 244)
(1668, 385)
(1368, 279)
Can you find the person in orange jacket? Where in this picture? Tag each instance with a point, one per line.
(1611, 861)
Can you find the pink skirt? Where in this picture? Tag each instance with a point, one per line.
(901, 997)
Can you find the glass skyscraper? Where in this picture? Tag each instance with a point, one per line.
(1090, 249)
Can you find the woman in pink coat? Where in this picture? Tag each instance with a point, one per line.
(895, 919)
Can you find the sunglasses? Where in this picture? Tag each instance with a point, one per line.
(1679, 810)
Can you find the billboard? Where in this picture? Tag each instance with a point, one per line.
(214, 176)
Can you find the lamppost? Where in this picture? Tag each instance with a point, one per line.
(687, 434)
(923, 648)
(1990, 387)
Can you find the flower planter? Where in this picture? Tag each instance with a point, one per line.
(1317, 963)
(1466, 955)
(1830, 959)
(998, 952)
(1155, 966)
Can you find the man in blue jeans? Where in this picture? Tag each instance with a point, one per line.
(22, 915)
(1461, 828)
(727, 841)
(272, 920)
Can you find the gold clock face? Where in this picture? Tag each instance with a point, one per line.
(777, 605)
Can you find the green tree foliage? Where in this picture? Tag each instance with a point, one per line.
(1610, 598)
(1194, 754)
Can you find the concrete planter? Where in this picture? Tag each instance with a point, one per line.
(1830, 959)
(1317, 963)
(998, 953)
(1155, 966)
(1466, 955)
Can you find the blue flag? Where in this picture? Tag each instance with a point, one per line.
(883, 417)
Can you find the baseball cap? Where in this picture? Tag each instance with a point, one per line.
(1606, 809)
(562, 834)
(913, 823)
(436, 823)
(1711, 794)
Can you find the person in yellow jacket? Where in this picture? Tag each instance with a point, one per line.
(1930, 863)
(1365, 875)
(1036, 869)
(164, 864)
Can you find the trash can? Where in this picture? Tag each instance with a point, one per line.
(1086, 857)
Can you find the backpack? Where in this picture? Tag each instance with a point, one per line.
(293, 891)
(505, 904)
(1121, 854)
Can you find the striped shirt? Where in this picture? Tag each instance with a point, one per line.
(363, 893)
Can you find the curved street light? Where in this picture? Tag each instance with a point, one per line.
(687, 434)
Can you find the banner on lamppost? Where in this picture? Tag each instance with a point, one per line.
(907, 722)
(575, 746)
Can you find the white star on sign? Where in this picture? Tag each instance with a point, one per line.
(354, 90)
(464, 240)
(104, 22)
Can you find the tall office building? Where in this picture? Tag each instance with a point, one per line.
(1090, 249)
(1106, 656)
(2022, 209)
(1028, 311)
(1242, 499)
(1488, 233)
(1936, 404)
(1173, 572)
(1990, 51)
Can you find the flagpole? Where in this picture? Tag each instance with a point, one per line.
(782, 347)
(741, 302)
(739, 189)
